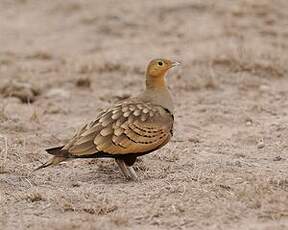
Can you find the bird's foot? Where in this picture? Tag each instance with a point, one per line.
(128, 172)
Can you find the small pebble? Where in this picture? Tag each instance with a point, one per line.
(248, 123)
(278, 158)
(260, 144)
(83, 82)
(264, 88)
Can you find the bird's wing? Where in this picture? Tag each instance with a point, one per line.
(123, 129)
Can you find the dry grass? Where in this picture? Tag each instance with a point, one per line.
(3, 152)
(243, 60)
(226, 167)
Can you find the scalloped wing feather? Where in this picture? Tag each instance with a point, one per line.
(126, 128)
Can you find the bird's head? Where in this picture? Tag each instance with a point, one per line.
(159, 67)
(156, 71)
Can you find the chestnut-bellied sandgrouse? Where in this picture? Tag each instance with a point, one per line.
(127, 130)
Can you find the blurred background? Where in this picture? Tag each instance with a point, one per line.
(226, 168)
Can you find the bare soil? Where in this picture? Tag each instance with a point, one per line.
(226, 167)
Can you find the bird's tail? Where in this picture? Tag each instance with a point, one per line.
(53, 161)
(59, 155)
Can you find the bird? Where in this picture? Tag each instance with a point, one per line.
(128, 129)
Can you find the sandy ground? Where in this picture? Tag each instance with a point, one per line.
(226, 167)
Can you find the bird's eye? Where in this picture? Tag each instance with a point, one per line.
(160, 63)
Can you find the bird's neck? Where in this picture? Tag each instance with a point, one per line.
(155, 82)
(157, 92)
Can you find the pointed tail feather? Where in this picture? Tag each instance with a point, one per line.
(53, 161)
(60, 155)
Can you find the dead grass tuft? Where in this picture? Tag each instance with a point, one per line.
(68, 206)
(3, 152)
(92, 204)
(40, 55)
(203, 77)
(281, 183)
(3, 116)
(107, 67)
(26, 92)
(100, 210)
(243, 61)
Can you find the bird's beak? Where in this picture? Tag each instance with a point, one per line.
(175, 63)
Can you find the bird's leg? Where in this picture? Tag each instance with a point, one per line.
(132, 173)
(123, 168)
(129, 161)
